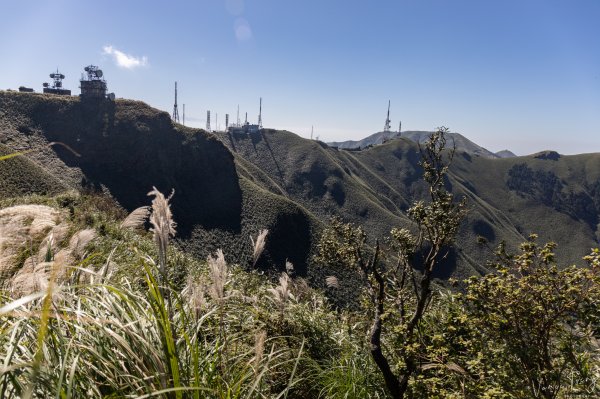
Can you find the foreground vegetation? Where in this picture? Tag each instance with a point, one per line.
(131, 316)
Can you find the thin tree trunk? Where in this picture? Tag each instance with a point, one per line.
(391, 381)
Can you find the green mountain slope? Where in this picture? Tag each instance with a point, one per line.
(554, 196)
(125, 148)
(228, 186)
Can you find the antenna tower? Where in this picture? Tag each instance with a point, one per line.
(183, 114)
(226, 121)
(387, 127)
(400, 128)
(238, 116)
(246, 122)
(208, 121)
(175, 110)
(260, 114)
(312, 128)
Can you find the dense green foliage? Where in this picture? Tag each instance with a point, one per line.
(528, 330)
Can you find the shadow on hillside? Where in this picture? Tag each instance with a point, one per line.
(445, 268)
(289, 239)
(257, 137)
(129, 148)
(484, 229)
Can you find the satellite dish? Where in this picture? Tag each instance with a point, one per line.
(62, 76)
(87, 69)
(111, 96)
(52, 76)
(45, 85)
(99, 73)
(58, 84)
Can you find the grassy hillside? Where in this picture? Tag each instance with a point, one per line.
(124, 148)
(91, 313)
(109, 309)
(229, 186)
(508, 198)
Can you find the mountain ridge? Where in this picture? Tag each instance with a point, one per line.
(420, 136)
(230, 185)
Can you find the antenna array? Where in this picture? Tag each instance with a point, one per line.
(387, 127)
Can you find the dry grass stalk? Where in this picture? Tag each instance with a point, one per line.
(39, 218)
(282, 293)
(332, 282)
(258, 245)
(50, 262)
(259, 348)
(194, 292)
(80, 240)
(289, 268)
(136, 219)
(163, 225)
(19, 226)
(25, 226)
(218, 275)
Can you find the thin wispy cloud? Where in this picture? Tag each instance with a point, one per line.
(124, 60)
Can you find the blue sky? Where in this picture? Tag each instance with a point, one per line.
(522, 74)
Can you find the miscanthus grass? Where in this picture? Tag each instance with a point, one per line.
(141, 338)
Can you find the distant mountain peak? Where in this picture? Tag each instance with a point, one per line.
(419, 136)
(505, 154)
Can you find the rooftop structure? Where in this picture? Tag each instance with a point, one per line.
(56, 87)
(92, 84)
(247, 127)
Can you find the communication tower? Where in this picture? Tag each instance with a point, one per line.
(387, 127)
(208, 121)
(56, 87)
(260, 114)
(238, 116)
(226, 121)
(400, 128)
(175, 110)
(183, 115)
(92, 84)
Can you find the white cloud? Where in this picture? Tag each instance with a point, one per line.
(123, 60)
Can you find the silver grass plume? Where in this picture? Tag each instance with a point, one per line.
(289, 268)
(258, 245)
(136, 219)
(218, 275)
(259, 348)
(195, 294)
(282, 293)
(163, 225)
(332, 282)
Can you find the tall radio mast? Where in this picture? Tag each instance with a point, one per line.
(260, 114)
(175, 110)
(387, 127)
